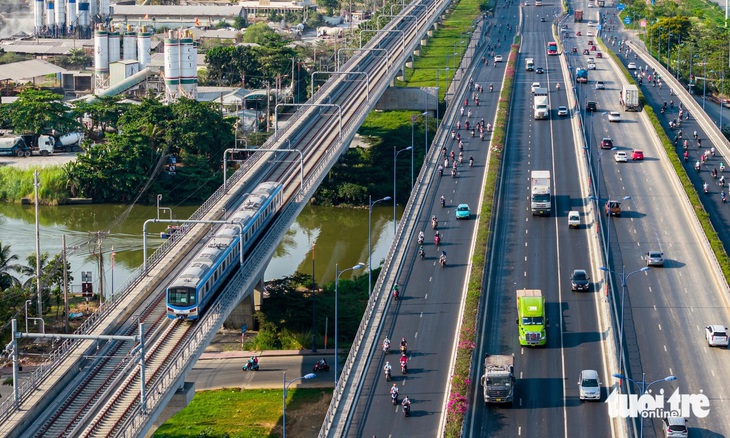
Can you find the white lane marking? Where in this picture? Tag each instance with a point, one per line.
(421, 315)
(415, 336)
(425, 296)
(660, 327)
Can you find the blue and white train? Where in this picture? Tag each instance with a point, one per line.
(192, 290)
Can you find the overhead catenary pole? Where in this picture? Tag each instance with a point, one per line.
(65, 283)
(38, 248)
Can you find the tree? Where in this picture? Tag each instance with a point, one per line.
(7, 264)
(37, 111)
(104, 112)
(329, 5)
(261, 33)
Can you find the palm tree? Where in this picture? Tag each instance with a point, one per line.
(7, 265)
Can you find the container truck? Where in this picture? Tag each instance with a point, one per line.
(541, 107)
(581, 75)
(531, 319)
(540, 197)
(578, 15)
(14, 146)
(499, 378)
(630, 96)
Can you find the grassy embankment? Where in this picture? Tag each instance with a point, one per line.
(16, 184)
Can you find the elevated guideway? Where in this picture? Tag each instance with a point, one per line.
(87, 388)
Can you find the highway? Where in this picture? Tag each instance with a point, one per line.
(535, 252)
(427, 314)
(667, 309)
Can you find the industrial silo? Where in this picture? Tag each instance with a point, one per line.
(172, 66)
(188, 67)
(144, 42)
(129, 44)
(115, 47)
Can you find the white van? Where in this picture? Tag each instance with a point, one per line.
(573, 219)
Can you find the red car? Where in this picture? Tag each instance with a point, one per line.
(590, 42)
(606, 143)
(599, 55)
(637, 155)
(578, 33)
(594, 48)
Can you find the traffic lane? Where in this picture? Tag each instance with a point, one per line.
(656, 96)
(427, 287)
(211, 374)
(465, 188)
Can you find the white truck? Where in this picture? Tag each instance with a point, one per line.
(529, 64)
(499, 378)
(630, 96)
(326, 32)
(541, 107)
(14, 145)
(48, 144)
(540, 196)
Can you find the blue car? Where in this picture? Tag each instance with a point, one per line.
(463, 212)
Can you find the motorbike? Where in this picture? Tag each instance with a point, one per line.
(697, 166)
(421, 253)
(472, 133)
(686, 156)
(441, 171)
(434, 223)
(481, 136)
(404, 368)
(386, 348)
(387, 375)
(706, 189)
(403, 350)
(437, 239)
(319, 366)
(557, 87)
(251, 366)
(420, 240)
(491, 87)
(396, 294)
(453, 173)
(394, 398)
(442, 260)
(724, 198)
(407, 410)
(443, 202)
(471, 162)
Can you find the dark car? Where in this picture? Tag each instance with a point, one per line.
(606, 143)
(586, 52)
(591, 106)
(579, 280)
(539, 70)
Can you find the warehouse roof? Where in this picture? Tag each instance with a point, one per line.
(26, 70)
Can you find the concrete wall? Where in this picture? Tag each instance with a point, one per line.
(408, 98)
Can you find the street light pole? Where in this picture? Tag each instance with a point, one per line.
(370, 239)
(643, 387)
(337, 283)
(283, 401)
(624, 278)
(395, 190)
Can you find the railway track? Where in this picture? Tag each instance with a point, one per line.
(107, 402)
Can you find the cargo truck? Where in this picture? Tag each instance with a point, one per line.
(529, 64)
(581, 76)
(578, 15)
(540, 197)
(499, 378)
(531, 319)
(47, 144)
(14, 146)
(541, 107)
(630, 96)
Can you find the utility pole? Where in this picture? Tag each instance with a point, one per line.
(65, 282)
(100, 255)
(268, 105)
(38, 248)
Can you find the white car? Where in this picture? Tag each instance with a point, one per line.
(614, 116)
(497, 58)
(600, 85)
(589, 385)
(675, 427)
(716, 335)
(631, 66)
(621, 157)
(591, 60)
(535, 86)
(562, 111)
(591, 24)
(591, 66)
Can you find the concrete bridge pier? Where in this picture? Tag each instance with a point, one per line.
(180, 399)
(244, 311)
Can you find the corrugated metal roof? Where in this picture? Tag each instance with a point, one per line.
(178, 11)
(45, 46)
(26, 70)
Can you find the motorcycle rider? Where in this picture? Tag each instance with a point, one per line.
(421, 236)
(406, 403)
(403, 363)
(437, 238)
(441, 170)
(434, 222)
(722, 195)
(442, 258)
(722, 181)
(421, 251)
(706, 187)
(491, 87)
(386, 345)
(443, 204)
(722, 167)
(394, 391)
(697, 166)
(471, 161)
(396, 292)
(387, 369)
(403, 345)
(557, 86)
(321, 363)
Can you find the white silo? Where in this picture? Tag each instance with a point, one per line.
(83, 14)
(60, 16)
(50, 15)
(172, 66)
(115, 47)
(71, 15)
(104, 8)
(188, 67)
(38, 16)
(129, 44)
(144, 42)
(101, 58)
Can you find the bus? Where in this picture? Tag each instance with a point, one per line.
(552, 48)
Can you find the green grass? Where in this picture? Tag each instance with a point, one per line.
(17, 183)
(249, 413)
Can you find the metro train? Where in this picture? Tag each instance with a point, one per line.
(192, 290)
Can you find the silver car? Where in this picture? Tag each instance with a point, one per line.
(675, 427)
(614, 116)
(562, 111)
(589, 385)
(655, 258)
(716, 335)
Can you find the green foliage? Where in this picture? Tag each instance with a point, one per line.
(104, 112)
(240, 22)
(36, 111)
(9, 58)
(17, 183)
(261, 33)
(329, 5)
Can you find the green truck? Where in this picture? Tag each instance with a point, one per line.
(531, 319)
